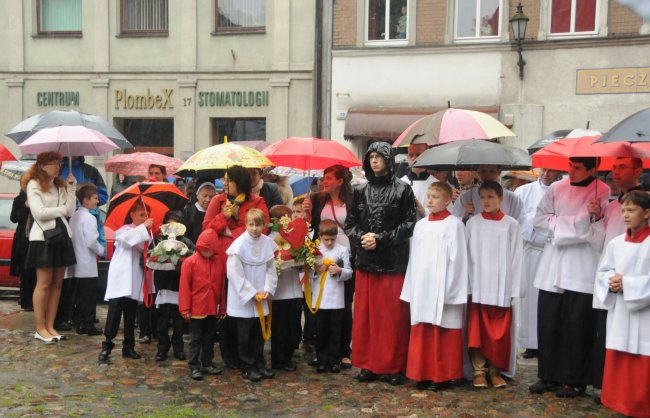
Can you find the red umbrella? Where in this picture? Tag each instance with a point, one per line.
(137, 163)
(556, 155)
(160, 197)
(5, 154)
(310, 154)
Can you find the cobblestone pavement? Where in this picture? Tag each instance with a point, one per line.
(66, 380)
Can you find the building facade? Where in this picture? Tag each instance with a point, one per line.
(586, 63)
(174, 76)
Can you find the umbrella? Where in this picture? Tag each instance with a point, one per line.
(213, 160)
(634, 128)
(5, 154)
(452, 125)
(310, 154)
(160, 197)
(14, 169)
(33, 124)
(288, 171)
(471, 153)
(561, 134)
(67, 140)
(137, 163)
(556, 155)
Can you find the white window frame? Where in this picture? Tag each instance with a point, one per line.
(478, 37)
(572, 33)
(387, 42)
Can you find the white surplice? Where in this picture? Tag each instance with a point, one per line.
(334, 289)
(511, 205)
(628, 319)
(436, 282)
(530, 194)
(83, 226)
(251, 270)
(289, 286)
(574, 244)
(125, 270)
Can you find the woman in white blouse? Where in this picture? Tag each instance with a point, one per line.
(51, 200)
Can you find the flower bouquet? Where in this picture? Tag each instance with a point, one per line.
(295, 249)
(167, 254)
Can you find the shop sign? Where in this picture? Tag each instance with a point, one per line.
(233, 98)
(147, 101)
(57, 98)
(613, 80)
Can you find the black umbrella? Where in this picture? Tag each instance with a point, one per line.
(547, 140)
(55, 118)
(471, 153)
(634, 128)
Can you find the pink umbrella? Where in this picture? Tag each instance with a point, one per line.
(137, 163)
(310, 154)
(67, 140)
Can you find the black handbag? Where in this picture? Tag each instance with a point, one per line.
(56, 234)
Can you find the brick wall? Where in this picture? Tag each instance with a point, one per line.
(430, 21)
(344, 30)
(622, 20)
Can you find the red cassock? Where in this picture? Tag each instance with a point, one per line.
(380, 327)
(489, 330)
(435, 353)
(626, 383)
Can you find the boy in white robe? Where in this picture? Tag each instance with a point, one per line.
(252, 278)
(329, 301)
(623, 287)
(496, 274)
(436, 286)
(124, 283)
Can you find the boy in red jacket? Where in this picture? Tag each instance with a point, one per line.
(201, 298)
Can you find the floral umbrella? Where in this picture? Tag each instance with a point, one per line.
(137, 163)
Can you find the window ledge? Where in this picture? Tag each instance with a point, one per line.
(243, 31)
(142, 35)
(57, 35)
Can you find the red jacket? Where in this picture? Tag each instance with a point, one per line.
(215, 218)
(202, 289)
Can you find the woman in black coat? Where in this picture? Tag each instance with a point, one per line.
(21, 216)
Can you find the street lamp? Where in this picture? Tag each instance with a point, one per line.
(518, 24)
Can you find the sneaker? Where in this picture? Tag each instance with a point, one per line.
(480, 381)
(497, 380)
(196, 374)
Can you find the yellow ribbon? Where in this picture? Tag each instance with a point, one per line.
(323, 276)
(266, 326)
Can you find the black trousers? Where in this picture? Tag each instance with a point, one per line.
(566, 333)
(309, 327)
(598, 361)
(64, 312)
(250, 344)
(329, 324)
(202, 341)
(116, 308)
(147, 319)
(228, 342)
(346, 325)
(84, 302)
(168, 312)
(284, 330)
(27, 285)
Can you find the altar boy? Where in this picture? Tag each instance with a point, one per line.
(495, 273)
(623, 286)
(436, 286)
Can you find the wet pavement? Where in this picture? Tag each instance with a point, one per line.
(66, 380)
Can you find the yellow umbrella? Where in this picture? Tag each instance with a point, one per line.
(222, 156)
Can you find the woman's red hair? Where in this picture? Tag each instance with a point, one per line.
(35, 172)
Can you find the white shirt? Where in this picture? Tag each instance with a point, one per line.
(531, 194)
(573, 246)
(83, 226)
(124, 271)
(334, 289)
(436, 282)
(511, 205)
(628, 319)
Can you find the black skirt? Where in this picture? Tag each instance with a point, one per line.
(43, 255)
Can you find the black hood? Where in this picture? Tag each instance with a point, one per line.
(384, 149)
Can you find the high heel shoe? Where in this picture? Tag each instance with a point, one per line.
(50, 340)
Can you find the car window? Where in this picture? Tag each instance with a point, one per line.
(5, 213)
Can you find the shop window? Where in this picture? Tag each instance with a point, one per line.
(240, 15)
(154, 135)
(58, 16)
(477, 19)
(144, 17)
(238, 129)
(387, 20)
(573, 17)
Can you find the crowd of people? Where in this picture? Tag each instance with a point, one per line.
(420, 277)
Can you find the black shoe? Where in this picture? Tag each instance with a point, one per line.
(289, 366)
(196, 374)
(529, 353)
(161, 357)
(395, 379)
(438, 386)
(346, 365)
(63, 326)
(103, 356)
(252, 375)
(211, 370)
(321, 368)
(309, 348)
(567, 391)
(131, 353)
(423, 385)
(230, 365)
(335, 368)
(543, 386)
(313, 362)
(180, 355)
(366, 375)
(266, 373)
